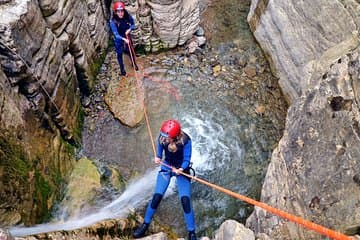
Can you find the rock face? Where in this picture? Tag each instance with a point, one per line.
(314, 172)
(302, 38)
(49, 54)
(48, 51)
(166, 23)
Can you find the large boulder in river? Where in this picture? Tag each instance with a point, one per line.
(125, 95)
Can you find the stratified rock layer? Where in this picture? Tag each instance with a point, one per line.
(48, 51)
(314, 49)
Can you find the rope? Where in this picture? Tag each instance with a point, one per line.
(307, 224)
(310, 225)
(141, 95)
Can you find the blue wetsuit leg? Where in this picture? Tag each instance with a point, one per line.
(119, 48)
(184, 189)
(162, 183)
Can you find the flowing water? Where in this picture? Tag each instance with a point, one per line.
(232, 138)
(134, 196)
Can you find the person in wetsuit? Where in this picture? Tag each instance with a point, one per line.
(177, 147)
(121, 25)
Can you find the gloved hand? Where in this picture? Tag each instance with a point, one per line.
(177, 171)
(157, 160)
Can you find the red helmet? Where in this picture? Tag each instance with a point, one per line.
(170, 128)
(118, 6)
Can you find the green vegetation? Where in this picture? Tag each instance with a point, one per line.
(14, 160)
(98, 61)
(79, 126)
(43, 187)
(68, 147)
(145, 49)
(43, 192)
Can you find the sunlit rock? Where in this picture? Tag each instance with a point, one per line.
(232, 230)
(125, 96)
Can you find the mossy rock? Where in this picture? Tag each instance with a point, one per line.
(83, 186)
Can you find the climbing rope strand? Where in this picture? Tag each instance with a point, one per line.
(149, 130)
(310, 225)
(132, 53)
(141, 96)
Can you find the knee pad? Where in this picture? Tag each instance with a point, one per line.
(156, 200)
(185, 201)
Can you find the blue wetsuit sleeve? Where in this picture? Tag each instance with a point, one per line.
(114, 29)
(160, 149)
(187, 155)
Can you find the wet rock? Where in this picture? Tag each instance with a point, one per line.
(4, 234)
(77, 199)
(356, 179)
(193, 45)
(250, 71)
(10, 217)
(216, 70)
(123, 100)
(86, 101)
(260, 109)
(200, 32)
(232, 230)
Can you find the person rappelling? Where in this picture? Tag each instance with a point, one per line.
(177, 147)
(121, 25)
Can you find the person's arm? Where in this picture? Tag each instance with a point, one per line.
(114, 30)
(116, 33)
(160, 149)
(187, 155)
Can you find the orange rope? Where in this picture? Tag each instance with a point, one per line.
(310, 225)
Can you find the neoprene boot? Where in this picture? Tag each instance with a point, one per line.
(192, 235)
(140, 231)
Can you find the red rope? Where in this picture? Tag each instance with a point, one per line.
(141, 96)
